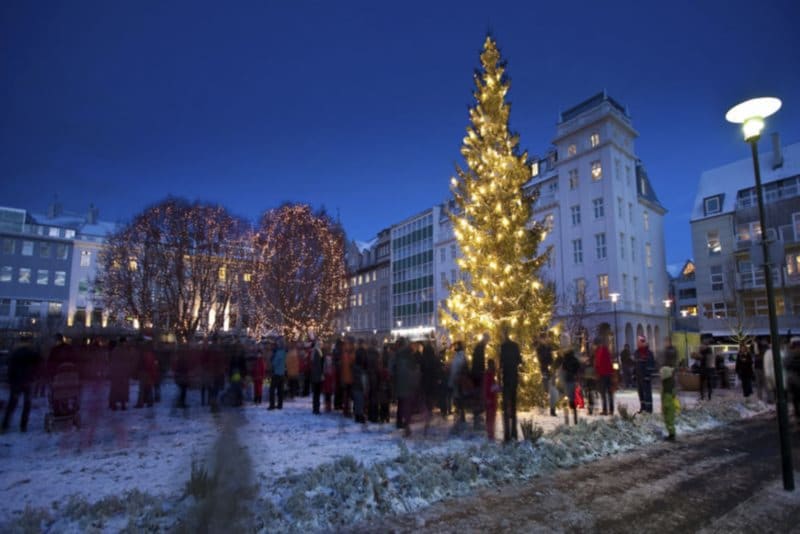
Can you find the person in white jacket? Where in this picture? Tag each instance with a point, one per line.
(769, 375)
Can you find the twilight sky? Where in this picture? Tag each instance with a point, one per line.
(361, 106)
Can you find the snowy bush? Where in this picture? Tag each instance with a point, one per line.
(531, 431)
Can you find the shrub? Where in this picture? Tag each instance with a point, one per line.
(200, 483)
(531, 431)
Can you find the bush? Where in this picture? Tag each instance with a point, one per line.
(531, 431)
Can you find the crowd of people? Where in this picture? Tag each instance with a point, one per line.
(364, 381)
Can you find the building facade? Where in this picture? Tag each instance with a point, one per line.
(726, 242)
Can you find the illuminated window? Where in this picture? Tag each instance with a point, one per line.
(132, 264)
(6, 272)
(53, 231)
(69, 234)
(60, 278)
(575, 211)
(27, 248)
(535, 168)
(600, 245)
(572, 150)
(86, 258)
(573, 179)
(42, 277)
(599, 209)
(648, 258)
(597, 170)
(594, 139)
(793, 264)
(713, 243)
(602, 286)
(222, 273)
(247, 277)
(577, 251)
(24, 276)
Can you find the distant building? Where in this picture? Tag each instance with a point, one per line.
(46, 264)
(726, 242)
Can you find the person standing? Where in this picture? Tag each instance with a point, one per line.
(510, 360)
(317, 368)
(707, 370)
(403, 373)
(667, 373)
(645, 365)
(792, 366)
(259, 374)
(628, 367)
(122, 359)
(276, 380)
(457, 369)
(147, 374)
(544, 355)
(23, 365)
(293, 369)
(745, 370)
(476, 372)
(605, 371)
(346, 374)
(429, 379)
(758, 363)
(569, 367)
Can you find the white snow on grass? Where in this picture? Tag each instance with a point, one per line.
(313, 472)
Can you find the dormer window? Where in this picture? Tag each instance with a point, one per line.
(712, 205)
(594, 139)
(572, 150)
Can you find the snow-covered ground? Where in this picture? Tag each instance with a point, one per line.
(131, 468)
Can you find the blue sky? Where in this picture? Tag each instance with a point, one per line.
(361, 106)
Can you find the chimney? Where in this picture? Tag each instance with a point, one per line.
(777, 153)
(91, 216)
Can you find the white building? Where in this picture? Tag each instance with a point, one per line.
(726, 242)
(606, 226)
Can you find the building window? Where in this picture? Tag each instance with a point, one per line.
(621, 246)
(594, 139)
(648, 257)
(552, 187)
(6, 272)
(572, 150)
(61, 252)
(69, 234)
(23, 308)
(602, 286)
(651, 293)
(793, 264)
(620, 208)
(715, 310)
(60, 278)
(83, 287)
(713, 243)
(624, 285)
(633, 249)
(24, 275)
(443, 279)
(535, 168)
(712, 205)
(630, 212)
(247, 277)
(42, 277)
(575, 211)
(597, 170)
(442, 254)
(628, 175)
(53, 231)
(27, 248)
(86, 258)
(453, 276)
(599, 209)
(577, 251)
(717, 278)
(580, 290)
(600, 245)
(636, 289)
(54, 308)
(617, 170)
(795, 224)
(452, 252)
(5, 307)
(643, 186)
(8, 246)
(573, 179)
(646, 220)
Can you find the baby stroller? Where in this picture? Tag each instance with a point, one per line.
(65, 397)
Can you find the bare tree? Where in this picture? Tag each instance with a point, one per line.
(573, 310)
(299, 271)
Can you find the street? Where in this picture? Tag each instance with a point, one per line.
(724, 480)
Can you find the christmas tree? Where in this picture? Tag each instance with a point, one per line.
(498, 238)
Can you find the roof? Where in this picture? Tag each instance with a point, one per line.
(590, 103)
(645, 190)
(729, 179)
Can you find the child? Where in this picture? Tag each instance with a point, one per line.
(490, 389)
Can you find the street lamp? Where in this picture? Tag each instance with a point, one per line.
(751, 114)
(684, 314)
(614, 299)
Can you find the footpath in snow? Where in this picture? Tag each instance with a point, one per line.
(284, 470)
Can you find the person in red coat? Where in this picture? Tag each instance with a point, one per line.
(604, 371)
(259, 373)
(147, 374)
(490, 389)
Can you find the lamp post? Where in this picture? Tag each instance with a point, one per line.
(614, 299)
(751, 114)
(684, 313)
(667, 306)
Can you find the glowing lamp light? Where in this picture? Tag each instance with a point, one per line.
(751, 114)
(614, 297)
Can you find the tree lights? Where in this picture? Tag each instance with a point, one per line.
(498, 240)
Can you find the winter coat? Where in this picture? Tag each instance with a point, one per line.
(510, 360)
(668, 370)
(458, 363)
(317, 366)
(570, 366)
(645, 364)
(292, 363)
(404, 373)
(602, 361)
(121, 360)
(23, 364)
(429, 371)
(478, 363)
(744, 365)
(544, 355)
(347, 362)
(148, 369)
(329, 373)
(792, 365)
(60, 353)
(259, 369)
(279, 362)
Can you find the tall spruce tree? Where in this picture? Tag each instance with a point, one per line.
(494, 228)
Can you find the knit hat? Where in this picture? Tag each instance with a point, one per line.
(642, 340)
